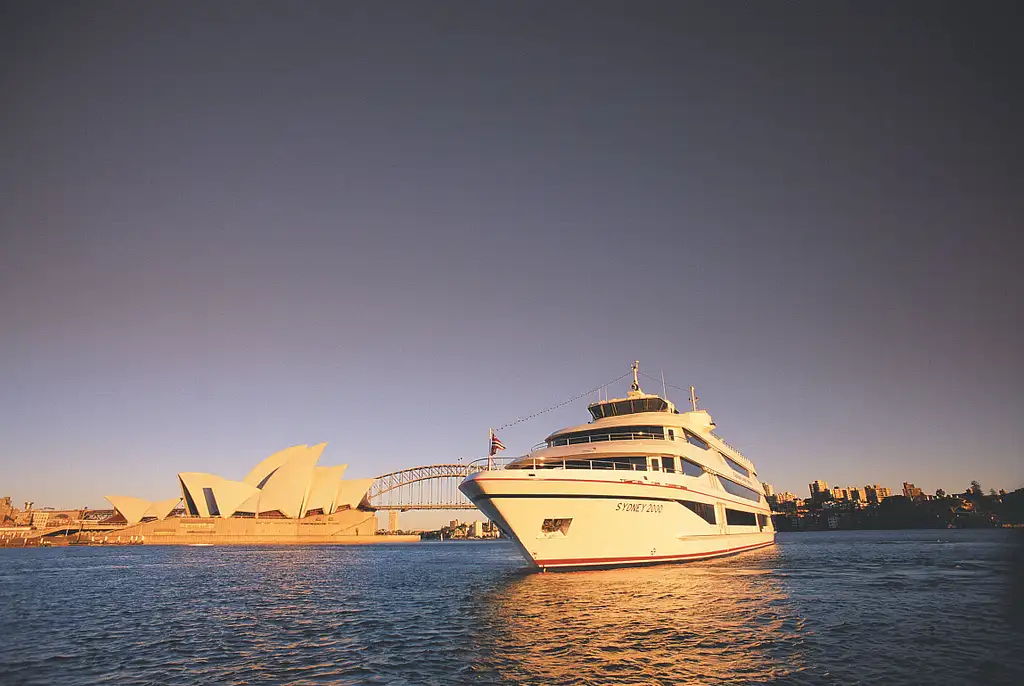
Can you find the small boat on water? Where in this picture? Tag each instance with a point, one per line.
(641, 483)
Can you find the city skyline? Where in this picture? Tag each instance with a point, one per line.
(392, 229)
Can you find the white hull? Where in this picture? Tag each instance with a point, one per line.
(616, 519)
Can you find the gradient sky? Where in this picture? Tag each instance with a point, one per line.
(232, 227)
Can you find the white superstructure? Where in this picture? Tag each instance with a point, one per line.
(641, 483)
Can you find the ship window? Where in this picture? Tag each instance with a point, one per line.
(669, 464)
(634, 463)
(738, 518)
(671, 435)
(615, 463)
(627, 463)
(614, 433)
(737, 467)
(551, 526)
(695, 440)
(741, 491)
(703, 510)
(655, 463)
(762, 521)
(628, 406)
(690, 468)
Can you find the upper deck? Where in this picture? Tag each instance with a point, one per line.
(645, 417)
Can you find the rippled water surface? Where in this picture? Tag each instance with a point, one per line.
(818, 608)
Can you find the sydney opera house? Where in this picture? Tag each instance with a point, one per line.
(286, 498)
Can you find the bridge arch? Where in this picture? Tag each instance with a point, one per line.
(428, 487)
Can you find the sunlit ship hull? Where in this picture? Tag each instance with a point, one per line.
(570, 518)
(641, 483)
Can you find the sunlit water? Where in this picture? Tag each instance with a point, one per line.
(829, 608)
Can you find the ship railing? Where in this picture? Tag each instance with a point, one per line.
(600, 438)
(491, 463)
(743, 459)
(530, 462)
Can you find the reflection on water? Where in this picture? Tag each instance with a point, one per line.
(705, 622)
(869, 607)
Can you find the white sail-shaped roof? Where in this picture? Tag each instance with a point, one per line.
(287, 482)
(132, 509)
(251, 504)
(324, 491)
(162, 508)
(352, 492)
(259, 474)
(287, 487)
(209, 495)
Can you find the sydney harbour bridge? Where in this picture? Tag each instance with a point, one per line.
(429, 487)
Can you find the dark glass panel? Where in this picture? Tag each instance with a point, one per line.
(690, 468)
(211, 502)
(738, 518)
(740, 491)
(704, 510)
(737, 466)
(696, 440)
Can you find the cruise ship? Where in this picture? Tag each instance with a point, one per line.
(641, 483)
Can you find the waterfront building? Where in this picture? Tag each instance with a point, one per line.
(286, 485)
(785, 497)
(769, 490)
(286, 498)
(911, 491)
(819, 489)
(856, 494)
(7, 510)
(876, 493)
(840, 493)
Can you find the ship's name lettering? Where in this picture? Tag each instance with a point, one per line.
(638, 507)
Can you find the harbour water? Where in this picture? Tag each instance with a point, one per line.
(903, 607)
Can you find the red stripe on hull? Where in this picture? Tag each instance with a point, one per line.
(746, 503)
(649, 558)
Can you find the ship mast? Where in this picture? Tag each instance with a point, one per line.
(636, 370)
(693, 398)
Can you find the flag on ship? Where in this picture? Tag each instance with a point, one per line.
(496, 444)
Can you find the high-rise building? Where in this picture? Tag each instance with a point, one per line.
(856, 494)
(7, 509)
(785, 497)
(769, 490)
(819, 489)
(912, 491)
(840, 493)
(876, 494)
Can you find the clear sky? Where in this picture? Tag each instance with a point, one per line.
(232, 227)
